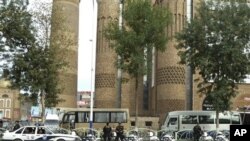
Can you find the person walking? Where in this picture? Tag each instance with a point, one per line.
(107, 131)
(197, 132)
(16, 126)
(119, 132)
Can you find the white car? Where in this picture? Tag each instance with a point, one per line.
(38, 133)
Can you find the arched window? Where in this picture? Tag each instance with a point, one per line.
(8, 103)
(1, 103)
(7, 113)
(1, 113)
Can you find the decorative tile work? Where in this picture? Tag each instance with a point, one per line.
(105, 80)
(171, 75)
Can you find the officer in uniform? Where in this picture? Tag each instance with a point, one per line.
(197, 132)
(107, 131)
(119, 132)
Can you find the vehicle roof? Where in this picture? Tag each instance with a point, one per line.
(99, 109)
(52, 116)
(33, 126)
(199, 112)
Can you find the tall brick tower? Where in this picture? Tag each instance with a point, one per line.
(65, 25)
(106, 72)
(168, 92)
(170, 77)
(106, 87)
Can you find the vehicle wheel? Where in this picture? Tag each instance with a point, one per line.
(17, 140)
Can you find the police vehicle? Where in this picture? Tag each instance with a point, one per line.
(38, 133)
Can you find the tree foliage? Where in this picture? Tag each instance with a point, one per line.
(15, 30)
(35, 65)
(143, 30)
(216, 46)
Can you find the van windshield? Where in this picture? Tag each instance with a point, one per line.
(49, 122)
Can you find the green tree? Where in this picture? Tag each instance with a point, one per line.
(35, 68)
(144, 29)
(216, 46)
(15, 30)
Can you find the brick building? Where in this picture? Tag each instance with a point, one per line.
(168, 86)
(9, 105)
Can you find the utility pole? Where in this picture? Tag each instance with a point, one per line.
(93, 51)
(189, 72)
(119, 71)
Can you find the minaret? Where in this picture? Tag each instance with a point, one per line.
(65, 25)
(106, 83)
(106, 72)
(170, 76)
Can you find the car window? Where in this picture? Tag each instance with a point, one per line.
(19, 131)
(29, 130)
(41, 130)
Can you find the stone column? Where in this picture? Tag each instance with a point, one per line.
(170, 76)
(106, 71)
(64, 33)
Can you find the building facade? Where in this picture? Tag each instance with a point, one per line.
(169, 86)
(9, 103)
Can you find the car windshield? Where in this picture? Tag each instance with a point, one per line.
(49, 122)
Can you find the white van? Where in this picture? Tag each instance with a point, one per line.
(186, 120)
(52, 120)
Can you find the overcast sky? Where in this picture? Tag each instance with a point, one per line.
(86, 42)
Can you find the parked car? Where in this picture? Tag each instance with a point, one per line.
(38, 133)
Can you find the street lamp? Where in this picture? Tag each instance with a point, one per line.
(92, 89)
(93, 50)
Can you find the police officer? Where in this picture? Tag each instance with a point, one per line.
(107, 131)
(17, 126)
(197, 132)
(119, 132)
(1, 123)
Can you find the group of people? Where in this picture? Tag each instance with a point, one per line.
(15, 127)
(107, 132)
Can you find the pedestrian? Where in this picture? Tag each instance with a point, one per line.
(16, 126)
(72, 124)
(119, 132)
(197, 132)
(107, 132)
(1, 123)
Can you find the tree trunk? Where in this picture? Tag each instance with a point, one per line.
(217, 120)
(136, 102)
(43, 106)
